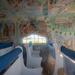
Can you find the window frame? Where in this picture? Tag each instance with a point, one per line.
(38, 42)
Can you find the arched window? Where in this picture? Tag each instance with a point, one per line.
(35, 39)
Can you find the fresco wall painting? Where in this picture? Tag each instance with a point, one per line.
(63, 23)
(63, 35)
(21, 5)
(54, 6)
(0, 30)
(14, 3)
(7, 30)
(32, 26)
(64, 40)
(67, 41)
(61, 6)
(2, 13)
(66, 22)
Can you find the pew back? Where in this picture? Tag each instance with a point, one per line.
(69, 60)
(6, 47)
(12, 60)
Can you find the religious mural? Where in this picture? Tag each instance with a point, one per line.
(32, 26)
(65, 22)
(0, 30)
(2, 13)
(60, 6)
(33, 2)
(24, 7)
(6, 30)
(30, 3)
(63, 40)
(14, 3)
(70, 7)
(67, 41)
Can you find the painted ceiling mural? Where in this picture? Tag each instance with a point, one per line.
(32, 8)
(14, 3)
(36, 6)
(61, 6)
(31, 5)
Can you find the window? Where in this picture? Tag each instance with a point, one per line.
(35, 39)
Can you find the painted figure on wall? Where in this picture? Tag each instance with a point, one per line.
(64, 22)
(32, 26)
(52, 4)
(11, 27)
(2, 15)
(45, 2)
(66, 41)
(0, 30)
(5, 31)
(14, 3)
(23, 5)
(33, 3)
(60, 6)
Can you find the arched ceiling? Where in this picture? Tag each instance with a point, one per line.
(32, 8)
(41, 9)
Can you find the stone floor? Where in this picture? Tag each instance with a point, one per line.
(46, 68)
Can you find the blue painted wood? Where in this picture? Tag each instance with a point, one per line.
(49, 43)
(3, 45)
(30, 43)
(68, 52)
(6, 59)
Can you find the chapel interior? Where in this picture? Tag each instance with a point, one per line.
(37, 37)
